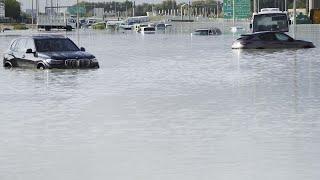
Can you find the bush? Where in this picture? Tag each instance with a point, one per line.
(19, 27)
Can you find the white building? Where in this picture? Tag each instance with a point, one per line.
(98, 12)
(2, 10)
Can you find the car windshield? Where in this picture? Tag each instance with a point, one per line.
(148, 29)
(55, 45)
(282, 37)
(270, 22)
(267, 37)
(161, 25)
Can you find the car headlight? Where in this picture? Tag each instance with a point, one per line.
(94, 60)
(237, 45)
(49, 60)
(54, 61)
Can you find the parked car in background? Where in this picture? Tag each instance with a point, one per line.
(207, 32)
(46, 52)
(148, 30)
(269, 40)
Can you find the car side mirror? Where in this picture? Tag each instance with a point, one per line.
(250, 26)
(29, 51)
(82, 49)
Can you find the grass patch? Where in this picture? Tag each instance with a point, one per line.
(19, 26)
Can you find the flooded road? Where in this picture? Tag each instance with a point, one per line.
(164, 106)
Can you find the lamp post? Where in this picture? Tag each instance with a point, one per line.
(233, 12)
(181, 10)
(133, 8)
(285, 5)
(294, 18)
(37, 9)
(78, 35)
(32, 14)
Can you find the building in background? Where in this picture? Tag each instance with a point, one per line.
(316, 4)
(242, 9)
(31, 12)
(98, 12)
(2, 10)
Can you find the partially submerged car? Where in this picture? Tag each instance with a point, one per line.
(269, 40)
(46, 52)
(207, 31)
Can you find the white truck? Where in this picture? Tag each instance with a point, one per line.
(49, 22)
(270, 19)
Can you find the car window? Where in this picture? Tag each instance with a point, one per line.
(202, 32)
(30, 44)
(267, 37)
(17, 45)
(13, 44)
(246, 37)
(55, 45)
(282, 37)
(21, 45)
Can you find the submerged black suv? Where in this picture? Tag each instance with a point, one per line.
(46, 52)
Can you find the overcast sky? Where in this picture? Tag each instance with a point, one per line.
(26, 4)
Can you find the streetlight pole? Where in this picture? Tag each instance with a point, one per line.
(37, 9)
(133, 9)
(217, 9)
(78, 35)
(294, 17)
(233, 12)
(32, 14)
(189, 10)
(181, 10)
(285, 5)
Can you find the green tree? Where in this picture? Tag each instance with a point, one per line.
(13, 9)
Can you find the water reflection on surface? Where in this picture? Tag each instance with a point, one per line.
(164, 106)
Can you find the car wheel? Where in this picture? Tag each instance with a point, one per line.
(7, 65)
(41, 67)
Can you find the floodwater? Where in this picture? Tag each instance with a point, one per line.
(164, 107)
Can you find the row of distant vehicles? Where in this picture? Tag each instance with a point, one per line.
(52, 51)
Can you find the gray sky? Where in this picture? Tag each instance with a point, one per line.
(27, 3)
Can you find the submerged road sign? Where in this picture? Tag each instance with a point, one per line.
(242, 9)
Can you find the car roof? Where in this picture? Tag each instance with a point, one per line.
(261, 32)
(46, 36)
(206, 29)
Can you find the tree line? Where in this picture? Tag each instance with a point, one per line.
(142, 9)
(13, 7)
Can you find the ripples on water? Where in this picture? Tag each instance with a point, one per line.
(165, 106)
